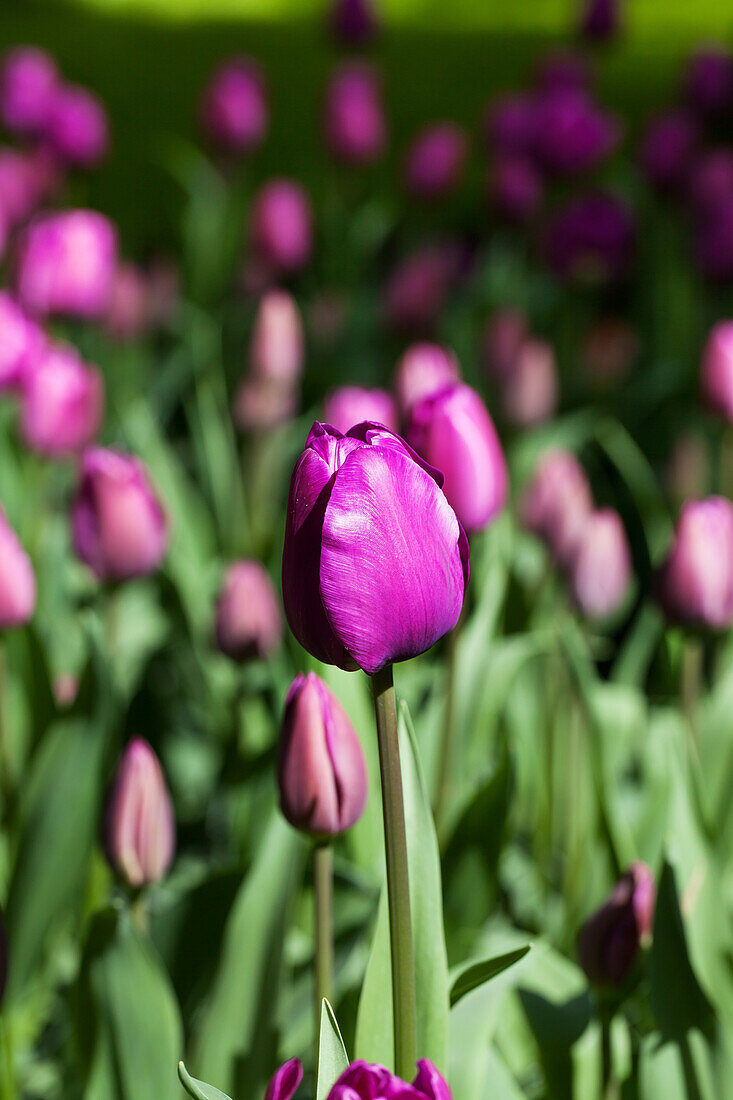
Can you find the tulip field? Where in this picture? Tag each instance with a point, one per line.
(366, 554)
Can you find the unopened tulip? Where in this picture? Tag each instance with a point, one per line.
(516, 188)
(510, 125)
(20, 188)
(140, 835)
(696, 580)
(248, 623)
(711, 178)
(28, 85)
(285, 1081)
(20, 342)
(436, 160)
(529, 393)
(281, 225)
(610, 940)
(423, 369)
(62, 402)
(600, 19)
(77, 129)
(375, 562)
(709, 81)
(234, 111)
(362, 1081)
(557, 503)
(17, 581)
(600, 570)
(276, 350)
(321, 770)
(591, 238)
(127, 316)
(353, 22)
(352, 405)
(453, 431)
(667, 149)
(119, 527)
(505, 332)
(716, 373)
(573, 134)
(66, 264)
(354, 122)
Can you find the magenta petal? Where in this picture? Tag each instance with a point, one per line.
(430, 1082)
(285, 1081)
(391, 575)
(376, 435)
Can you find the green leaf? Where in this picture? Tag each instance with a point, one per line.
(332, 1056)
(476, 974)
(198, 1089)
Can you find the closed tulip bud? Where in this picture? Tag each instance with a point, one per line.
(716, 373)
(140, 835)
(66, 264)
(19, 187)
(591, 239)
(127, 316)
(573, 133)
(352, 405)
(375, 562)
(27, 88)
(711, 178)
(119, 526)
(17, 582)
(20, 341)
(709, 81)
(248, 624)
(667, 149)
(234, 110)
(77, 129)
(62, 403)
(362, 1081)
(600, 19)
(610, 940)
(510, 125)
(600, 569)
(436, 160)
(504, 335)
(285, 1081)
(261, 404)
(321, 770)
(281, 225)
(353, 22)
(354, 123)
(516, 188)
(696, 581)
(423, 370)
(557, 503)
(529, 393)
(276, 351)
(453, 431)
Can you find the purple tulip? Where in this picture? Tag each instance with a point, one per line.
(353, 22)
(285, 1081)
(281, 225)
(248, 622)
(21, 341)
(573, 134)
(561, 71)
(416, 288)
(600, 19)
(119, 527)
(711, 178)
(453, 431)
(600, 569)
(696, 580)
(709, 81)
(17, 581)
(423, 370)
(21, 185)
(529, 393)
(361, 1081)
(66, 264)
(128, 314)
(714, 240)
(505, 333)
(352, 405)
(716, 372)
(557, 503)
(77, 128)
(234, 110)
(354, 122)
(321, 770)
(591, 238)
(510, 125)
(667, 149)
(62, 402)
(516, 188)
(375, 562)
(276, 350)
(28, 85)
(436, 160)
(610, 940)
(140, 834)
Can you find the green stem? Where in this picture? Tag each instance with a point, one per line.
(323, 884)
(9, 1091)
(398, 888)
(606, 1056)
(691, 679)
(447, 741)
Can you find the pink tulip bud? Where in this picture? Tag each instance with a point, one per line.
(610, 348)
(321, 768)
(716, 373)
(234, 111)
(354, 122)
(453, 431)
(276, 351)
(281, 225)
(20, 188)
(352, 405)
(119, 526)
(557, 503)
(77, 129)
(505, 332)
(529, 393)
(20, 341)
(601, 569)
(248, 620)
(696, 581)
(423, 370)
(62, 402)
(261, 404)
(416, 288)
(17, 582)
(66, 264)
(609, 941)
(27, 88)
(688, 470)
(436, 160)
(65, 688)
(127, 316)
(140, 828)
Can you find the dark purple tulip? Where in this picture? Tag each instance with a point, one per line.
(529, 393)
(711, 178)
(66, 264)
(714, 240)
(234, 111)
(140, 837)
(375, 562)
(610, 940)
(510, 125)
(505, 332)
(248, 623)
(353, 22)
(281, 225)
(21, 340)
(354, 122)
(352, 405)
(453, 431)
(17, 580)
(609, 351)
(557, 503)
(573, 134)
(321, 770)
(62, 402)
(285, 1081)
(423, 370)
(716, 372)
(77, 129)
(600, 19)
(436, 160)
(516, 188)
(600, 568)
(709, 81)
(362, 1081)
(667, 149)
(591, 238)
(416, 289)
(561, 71)
(696, 580)
(27, 88)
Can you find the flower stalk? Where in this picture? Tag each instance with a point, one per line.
(323, 889)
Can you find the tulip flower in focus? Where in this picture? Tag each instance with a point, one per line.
(66, 264)
(375, 562)
(610, 940)
(62, 402)
(529, 392)
(20, 341)
(119, 527)
(234, 110)
(248, 623)
(600, 569)
(353, 22)
(709, 81)
(321, 769)
(281, 225)
(17, 581)
(557, 503)
(28, 84)
(436, 160)
(695, 584)
(350, 405)
(140, 833)
(716, 372)
(354, 122)
(667, 149)
(453, 431)
(77, 129)
(362, 1081)
(423, 370)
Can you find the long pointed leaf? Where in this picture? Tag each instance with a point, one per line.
(332, 1056)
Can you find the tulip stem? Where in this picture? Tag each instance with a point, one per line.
(398, 887)
(445, 760)
(608, 1086)
(323, 887)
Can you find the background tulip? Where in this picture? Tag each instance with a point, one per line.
(20, 341)
(27, 88)
(62, 402)
(557, 503)
(610, 940)
(709, 81)
(504, 334)
(696, 581)
(353, 22)
(416, 288)
(510, 125)
(600, 19)
(716, 372)
(77, 129)
(248, 623)
(352, 405)
(591, 238)
(436, 160)
(354, 122)
(285, 1081)
(17, 581)
(361, 1081)
(140, 827)
(667, 149)
(234, 111)
(600, 569)
(516, 188)
(573, 134)
(529, 393)
(277, 339)
(66, 264)
(280, 225)
(128, 313)
(423, 369)
(609, 351)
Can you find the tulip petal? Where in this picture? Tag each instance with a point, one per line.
(285, 1081)
(430, 1082)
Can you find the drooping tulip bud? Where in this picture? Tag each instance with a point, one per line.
(436, 160)
(66, 264)
(667, 149)
(27, 88)
(234, 111)
(119, 527)
(591, 239)
(285, 1081)
(600, 19)
(140, 835)
(609, 351)
(610, 940)
(20, 342)
(510, 125)
(696, 581)
(321, 770)
(352, 405)
(573, 134)
(62, 402)
(716, 372)
(276, 350)
(453, 431)
(505, 332)
(362, 1081)
(354, 122)
(529, 393)
(280, 225)
(424, 369)
(248, 624)
(516, 188)
(17, 581)
(557, 503)
(709, 81)
(77, 128)
(600, 568)
(375, 562)
(353, 22)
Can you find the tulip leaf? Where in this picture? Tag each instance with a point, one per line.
(332, 1056)
(198, 1089)
(476, 974)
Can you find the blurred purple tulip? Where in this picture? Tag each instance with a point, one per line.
(591, 238)
(557, 503)
(128, 314)
(62, 402)
(354, 123)
(281, 225)
(351, 405)
(516, 188)
(77, 129)
(510, 125)
(573, 134)
(714, 240)
(17, 580)
(600, 568)
(609, 351)
(529, 392)
(353, 22)
(561, 71)
(709, 81)
(66, 264)
(375, 562)
(21, 340)
(248, 621)
(423, 370)
(505, 332)
(362, 1081)
(22, 185)
(234, 110)
(667, 149)
(716, 371)
(696, 581)
(28, 83)
(417, 287)
(276, 349)
(610, 940)
(436, 160)
(140, 833)
(600, 19)
(711, 178)
(285, 1081)
(262, 403)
